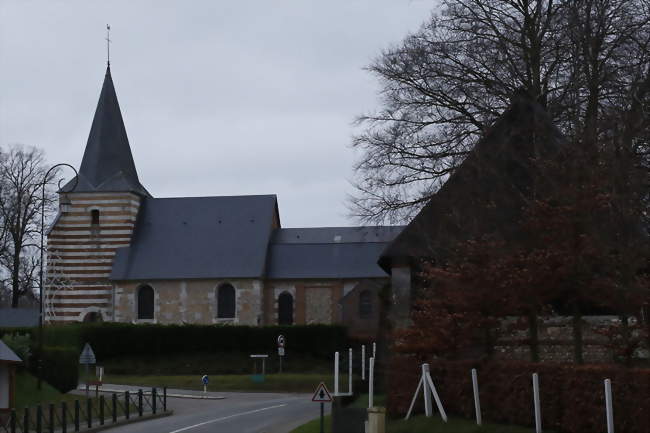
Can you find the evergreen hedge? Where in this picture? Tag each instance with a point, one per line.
(113, 340)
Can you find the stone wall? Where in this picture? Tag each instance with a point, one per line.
(189, 301)
(555, 336)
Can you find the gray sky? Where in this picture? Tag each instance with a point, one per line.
(218, 97)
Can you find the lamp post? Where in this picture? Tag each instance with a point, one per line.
(41, 291)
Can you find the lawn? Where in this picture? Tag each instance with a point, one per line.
(286, 382)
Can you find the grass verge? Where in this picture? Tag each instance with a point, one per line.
(313, 426)
(418, 424)
(422, 424)
(286, 382)
(28, 394)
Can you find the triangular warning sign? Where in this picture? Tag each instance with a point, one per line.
(322, 395)
(87, 355)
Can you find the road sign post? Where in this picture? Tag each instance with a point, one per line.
(86, 358)
(205, 380)
(281, 342)
(322, 396)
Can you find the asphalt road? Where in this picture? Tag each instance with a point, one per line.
(238, 412)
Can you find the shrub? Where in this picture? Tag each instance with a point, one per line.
(60, 367)
(572, 396)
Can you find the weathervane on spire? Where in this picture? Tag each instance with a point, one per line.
(108, 45)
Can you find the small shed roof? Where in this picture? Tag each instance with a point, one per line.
(7, 355)
(18, 317)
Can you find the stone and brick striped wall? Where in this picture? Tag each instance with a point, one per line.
(80, 254)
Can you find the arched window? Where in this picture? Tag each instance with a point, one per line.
(365, 304)
(145, 302)
(226, 302)
(285, 309)
(94, 217)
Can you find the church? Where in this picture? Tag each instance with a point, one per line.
(116, 253)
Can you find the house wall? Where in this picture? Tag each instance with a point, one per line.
(368, 326)
(400, 305)
(190, 301)
(80, 255)
(4, 386)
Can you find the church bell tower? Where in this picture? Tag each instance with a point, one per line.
(97, 215)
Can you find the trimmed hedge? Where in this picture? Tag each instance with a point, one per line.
(114, 340)
(572, 396)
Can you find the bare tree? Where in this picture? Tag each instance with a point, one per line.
(22, 171)
(443, 86)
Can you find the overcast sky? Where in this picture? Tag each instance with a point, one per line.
(218, 97)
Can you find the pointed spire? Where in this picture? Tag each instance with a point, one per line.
(107, 163)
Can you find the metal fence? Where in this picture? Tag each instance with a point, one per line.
(84, 414)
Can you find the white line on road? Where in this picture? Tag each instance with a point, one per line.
(227, 417)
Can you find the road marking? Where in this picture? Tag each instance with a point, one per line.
(227, 417)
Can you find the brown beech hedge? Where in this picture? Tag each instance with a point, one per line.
(572, 396)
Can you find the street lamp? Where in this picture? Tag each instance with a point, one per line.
(40, 316)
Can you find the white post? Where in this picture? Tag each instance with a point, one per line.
(608, 406)
(477, 401)
(538, 410)
(363, 362)
(415, 396)
(336, 373)
(374, 350)
(371, 384)
(427, 393)
(433, 390)
(350, 371)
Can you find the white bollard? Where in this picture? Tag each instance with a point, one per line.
(350, 371)
(427, 393)
(363, 362)
(336, 373)
(371, 384)
(538, 410)
(374, 350)
(477, 401)
(609, 408)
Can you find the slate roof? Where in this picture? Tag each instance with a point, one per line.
(329, 252)
(198, 237)
(7, 355)
(107, 164)
(18, 317)
(485, 194)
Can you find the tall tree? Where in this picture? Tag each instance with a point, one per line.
(22, 174)
(585, 61)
